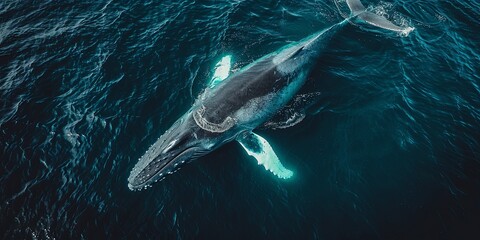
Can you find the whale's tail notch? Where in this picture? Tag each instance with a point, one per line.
(358, 10)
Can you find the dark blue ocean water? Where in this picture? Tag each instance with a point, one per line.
(391, 149)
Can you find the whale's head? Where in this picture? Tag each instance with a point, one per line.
(182, 143)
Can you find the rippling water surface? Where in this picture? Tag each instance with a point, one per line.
(390, 150)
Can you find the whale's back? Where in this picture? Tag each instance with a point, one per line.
(240, 89)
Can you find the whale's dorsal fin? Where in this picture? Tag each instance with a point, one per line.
(286, 54)
(297, 52)
(259, 148)
(222, 70)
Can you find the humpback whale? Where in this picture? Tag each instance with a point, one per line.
(233, 106)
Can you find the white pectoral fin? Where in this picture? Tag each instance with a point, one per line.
(222, 70)
(259, 148)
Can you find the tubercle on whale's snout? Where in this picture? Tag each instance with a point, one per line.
(158, 168)
(161, 177)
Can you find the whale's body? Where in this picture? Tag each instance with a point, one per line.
(231, 109)
(258, 91)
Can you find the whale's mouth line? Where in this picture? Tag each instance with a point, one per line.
(145, 183)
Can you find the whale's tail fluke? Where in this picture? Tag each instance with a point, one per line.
(358, 10)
